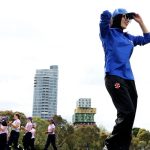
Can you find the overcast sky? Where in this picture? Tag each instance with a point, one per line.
(35, 34)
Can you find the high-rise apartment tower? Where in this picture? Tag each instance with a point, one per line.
(45, 92)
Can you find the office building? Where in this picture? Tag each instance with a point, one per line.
(45, 92)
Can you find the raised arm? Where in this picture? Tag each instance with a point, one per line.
(14, 125)
(141, 40)
(139, 20)
(105, 22)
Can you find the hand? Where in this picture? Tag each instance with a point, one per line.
(138, 18)
(10, 122)
(22, 127)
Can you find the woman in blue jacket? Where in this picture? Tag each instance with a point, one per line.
(119, 80)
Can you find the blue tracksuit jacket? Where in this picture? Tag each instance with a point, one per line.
(118, 47)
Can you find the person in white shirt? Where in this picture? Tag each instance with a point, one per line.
(27, 136)
(3, 134)
(51, 138)
(15, 132)
(33, 131)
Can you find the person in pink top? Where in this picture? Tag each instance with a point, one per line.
(15, 132)
(3, 134)
(27, 136)
(33, 131)
(51, 138)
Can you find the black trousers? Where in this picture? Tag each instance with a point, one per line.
(32, 144)
(124, 96)
(3, 141)
(13, 139)
(50, 140)
(27, 140)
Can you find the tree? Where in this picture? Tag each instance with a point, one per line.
(143, 135)
(135, 131)
(87, 136)
(10, 114)
(142, 145)
(134, 143)
(64, 132)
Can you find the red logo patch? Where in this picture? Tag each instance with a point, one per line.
(117, 85)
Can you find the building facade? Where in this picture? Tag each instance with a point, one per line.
(84, 114)
(45, 92)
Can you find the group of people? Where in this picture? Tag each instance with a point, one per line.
(29, 136)
(9, 140)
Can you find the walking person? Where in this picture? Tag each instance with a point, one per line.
(3, 134)
(27, 136)
(119, 79)
(33, 132)
(51, 138)
(15, 132)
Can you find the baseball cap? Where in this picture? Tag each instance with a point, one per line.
(29, 118)
(119, 11)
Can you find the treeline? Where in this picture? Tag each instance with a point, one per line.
(71, 137)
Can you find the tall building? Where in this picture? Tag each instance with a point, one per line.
(84, 114)
(45, 92)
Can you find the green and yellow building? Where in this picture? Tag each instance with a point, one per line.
(83, 113)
